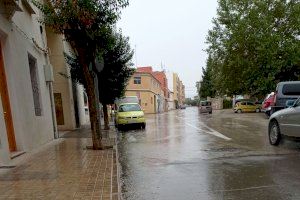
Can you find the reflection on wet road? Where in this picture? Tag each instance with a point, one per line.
(185, 155)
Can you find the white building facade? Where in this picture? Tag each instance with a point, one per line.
(26, 114)
(171, 100)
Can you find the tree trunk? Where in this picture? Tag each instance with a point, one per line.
(94, 117)
(105, 113)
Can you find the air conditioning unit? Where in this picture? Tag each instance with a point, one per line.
(48, 69)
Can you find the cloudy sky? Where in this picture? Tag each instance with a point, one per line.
(170, 33)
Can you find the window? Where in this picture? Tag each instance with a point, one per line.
(291, 89)
(35, 85)
(243, 103)
(250, 103)
(137, 80)
(205, 103)
(129, 107)
(297, 103)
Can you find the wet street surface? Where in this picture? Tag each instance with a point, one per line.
(186, 155)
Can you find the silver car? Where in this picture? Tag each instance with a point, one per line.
(285, 122)
(205, 107)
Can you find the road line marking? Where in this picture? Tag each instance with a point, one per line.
(211, 131)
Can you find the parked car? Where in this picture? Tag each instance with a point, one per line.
(205, 107)
(129, 113)
(285, 91)
(259, 103)
(240, 100)
(268, 103)
(285, 122)
(246, 106)
(182, 107)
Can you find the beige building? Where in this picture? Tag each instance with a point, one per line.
(26, 118)
(68, 95)
(178, 90)
(147, 88)
(181, 94)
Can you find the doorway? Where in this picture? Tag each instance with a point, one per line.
(6, 106)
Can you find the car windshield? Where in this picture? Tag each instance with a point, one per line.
(205, 103)
(129, 107)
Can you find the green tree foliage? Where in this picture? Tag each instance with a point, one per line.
(116, 73)
(206, 85)
(85, 25)
(112, 80)
(253, 45)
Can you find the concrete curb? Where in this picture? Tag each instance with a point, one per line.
(120, 197)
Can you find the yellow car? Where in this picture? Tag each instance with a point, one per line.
(130, 113)
(246, 106)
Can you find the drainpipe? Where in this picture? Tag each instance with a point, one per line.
(56, 133)
(49, 80)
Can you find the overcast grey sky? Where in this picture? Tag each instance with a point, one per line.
(171, 32)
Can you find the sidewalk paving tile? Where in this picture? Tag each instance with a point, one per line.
(64, 170)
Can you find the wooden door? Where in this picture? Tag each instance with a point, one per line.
(6, 106)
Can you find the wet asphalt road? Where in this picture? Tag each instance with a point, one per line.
(184, 155)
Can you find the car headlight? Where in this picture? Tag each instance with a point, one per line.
(141, 116)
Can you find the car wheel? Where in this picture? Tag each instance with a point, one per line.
(239, 111)
(257, 110)
(274, 133)
(143, 126)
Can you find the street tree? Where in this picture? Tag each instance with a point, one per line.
(207, 86)
(116, 73)
(84, 23)
(116, 57)
(253, 45)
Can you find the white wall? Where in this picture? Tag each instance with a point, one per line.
(170, 81)
(171, 103)
(31, 131)
(83, 117)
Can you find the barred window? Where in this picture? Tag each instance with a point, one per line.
(35, 85)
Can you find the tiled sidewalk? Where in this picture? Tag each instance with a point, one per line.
(64, 169)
